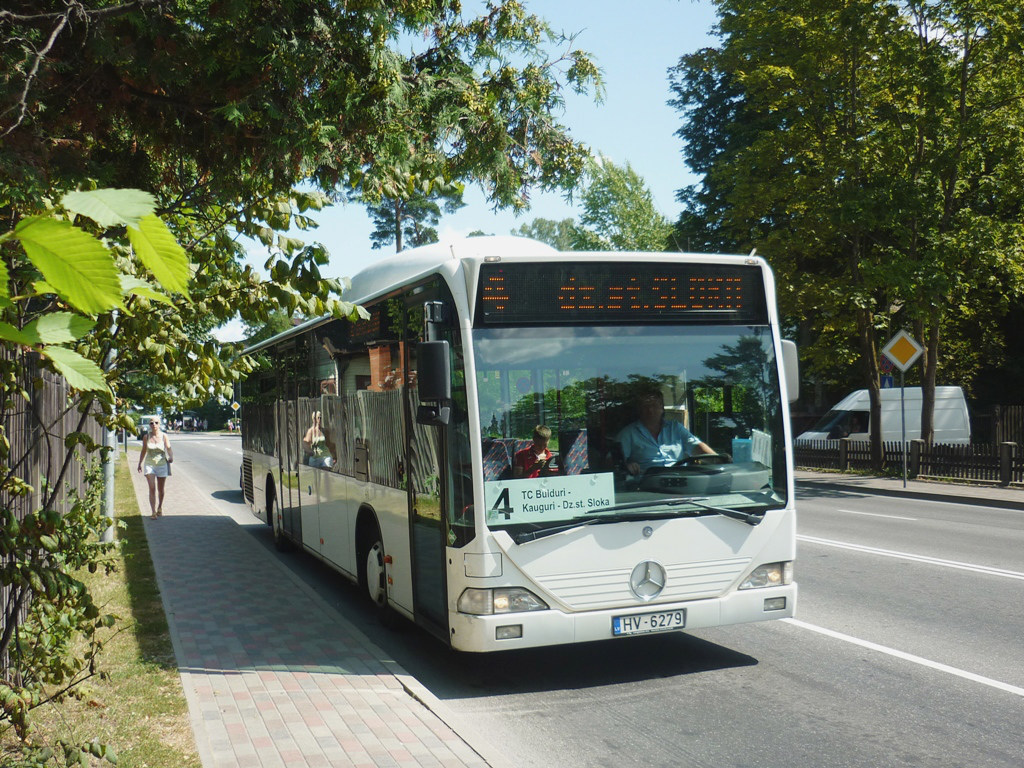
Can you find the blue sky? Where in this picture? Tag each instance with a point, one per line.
(634, 44)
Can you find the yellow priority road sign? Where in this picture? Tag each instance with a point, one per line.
(903, 350)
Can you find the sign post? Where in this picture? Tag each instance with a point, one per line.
(903, 350)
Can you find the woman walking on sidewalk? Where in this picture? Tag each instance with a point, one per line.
(156, 456)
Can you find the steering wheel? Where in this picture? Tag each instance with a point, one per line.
(704, 458)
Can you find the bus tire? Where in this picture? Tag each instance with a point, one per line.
(281, 542)
(374, 577)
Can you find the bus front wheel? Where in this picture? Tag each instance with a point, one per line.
(376, 575)
(375, 579)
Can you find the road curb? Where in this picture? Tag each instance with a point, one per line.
(955, 497)
(469, 733)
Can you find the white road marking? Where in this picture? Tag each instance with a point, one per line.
(1017, 691)
(875, 514)
(916, 558)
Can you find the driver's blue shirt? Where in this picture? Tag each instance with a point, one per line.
(672, 444)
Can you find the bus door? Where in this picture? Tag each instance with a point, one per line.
(289, 457)
(425, 452)
(426, 518)
(308, 475)
(296, 364)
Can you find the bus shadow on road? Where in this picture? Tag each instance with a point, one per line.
(233, 497)
(589, 665)
(453, 674)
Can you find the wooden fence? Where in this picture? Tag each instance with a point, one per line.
(36, 429)
(1008, 424)
(977, 462)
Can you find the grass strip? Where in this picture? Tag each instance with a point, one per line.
(140, 709)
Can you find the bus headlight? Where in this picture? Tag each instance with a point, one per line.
(484, 602)
(769, 575)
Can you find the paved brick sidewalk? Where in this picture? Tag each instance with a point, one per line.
(273, 675)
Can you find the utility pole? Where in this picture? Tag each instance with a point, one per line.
(110, 452)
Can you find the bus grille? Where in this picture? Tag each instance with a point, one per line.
(247, 479)
(593, 590)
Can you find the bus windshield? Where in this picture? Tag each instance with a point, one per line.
(638, 415)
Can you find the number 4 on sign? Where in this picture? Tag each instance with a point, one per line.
(903, 350)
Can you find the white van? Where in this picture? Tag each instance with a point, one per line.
(850, 417)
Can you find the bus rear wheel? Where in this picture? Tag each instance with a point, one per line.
(281, 543)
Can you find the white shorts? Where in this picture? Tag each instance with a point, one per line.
(162, 470)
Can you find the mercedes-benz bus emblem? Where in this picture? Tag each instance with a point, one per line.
(647, 580)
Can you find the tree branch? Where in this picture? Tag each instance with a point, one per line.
(22, 106)
(74, 9)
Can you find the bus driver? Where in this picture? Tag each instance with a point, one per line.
(653, 441)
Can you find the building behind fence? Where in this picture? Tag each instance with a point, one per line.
(36, 429)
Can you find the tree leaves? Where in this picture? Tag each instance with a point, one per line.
(133, 286)
(160, 252)
(55, 328)
(110, 207)
(73, 262)
(82, 270)
(80, 372)
(874, 152)
(618, 215)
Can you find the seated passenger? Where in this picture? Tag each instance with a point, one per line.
(535, 459)
(653, 441)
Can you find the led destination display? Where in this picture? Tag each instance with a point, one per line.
(619, 293)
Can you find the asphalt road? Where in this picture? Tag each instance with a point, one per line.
(907, 651)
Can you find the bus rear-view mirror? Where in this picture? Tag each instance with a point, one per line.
(434, 371)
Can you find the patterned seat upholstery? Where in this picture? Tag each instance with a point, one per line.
(497, 460)
(573, 451)
(515, 446)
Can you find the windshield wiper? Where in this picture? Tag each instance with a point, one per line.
(614, 514)
(579, 522)
(671, 501)
(750, 518)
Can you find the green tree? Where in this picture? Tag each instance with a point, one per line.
(864, 147)
(410, 222)
(618, 212)
(277, 322)
(560, 235)
(58, 642)
(235, 119)
(222, 109)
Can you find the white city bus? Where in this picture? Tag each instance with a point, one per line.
(408, 487)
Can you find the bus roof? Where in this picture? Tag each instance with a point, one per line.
(407, 266)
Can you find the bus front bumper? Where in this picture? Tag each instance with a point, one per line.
(555, 627)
